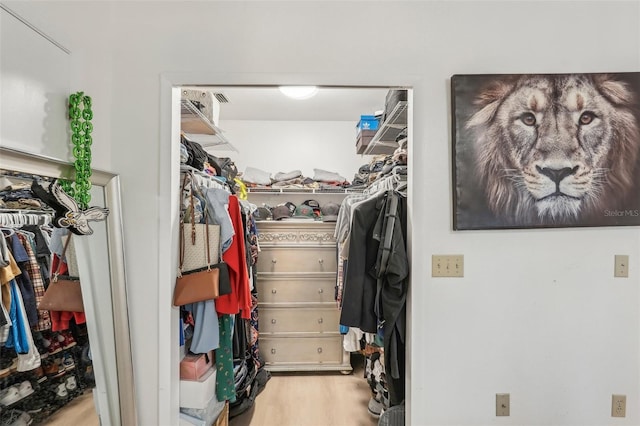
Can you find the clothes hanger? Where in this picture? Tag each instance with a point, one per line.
(27, 234)
(7, 231)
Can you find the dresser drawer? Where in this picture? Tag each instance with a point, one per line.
(297, 259)
(299, 320)
(296, 289)
(301, 350)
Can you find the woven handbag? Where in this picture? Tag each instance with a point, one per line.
(63, 294)
(200, 284)
(203, 238)
(203, 244)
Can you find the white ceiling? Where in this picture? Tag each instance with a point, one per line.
(268, 103)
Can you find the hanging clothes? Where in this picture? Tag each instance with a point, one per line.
(217, 207)
(19, 250)
(30, 359)
(239, 300)
(392, 271)
(376, 280)
(341, 233)
(17, 338)
(33, 286)
(42, 252)
(7, 274)
(225, 386)
(206, 336)
(360, 281)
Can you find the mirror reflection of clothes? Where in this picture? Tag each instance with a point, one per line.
(62, 320)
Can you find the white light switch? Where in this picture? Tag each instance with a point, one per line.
(618, 406)
(621, 266)
(503, 405)
(451, 265)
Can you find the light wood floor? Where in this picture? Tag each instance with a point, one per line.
(311, 399)
(80, 411)
(289, 399)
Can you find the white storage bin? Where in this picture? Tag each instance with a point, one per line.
(198, 394)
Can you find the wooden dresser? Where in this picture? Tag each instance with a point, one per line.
(299, 320)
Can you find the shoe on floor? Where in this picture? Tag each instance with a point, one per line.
(61, 391)
(86, 354)
(66, 339)
(88, 374)
(39, 342)
(71, 383)
(52, 346)
(25, 389)
(54, 369)
(15, 418)
(9, 396)
(68, 363)
(375, 407)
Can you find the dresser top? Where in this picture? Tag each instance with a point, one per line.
(299, 224)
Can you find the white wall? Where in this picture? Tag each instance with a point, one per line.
(283, 146)
(537, 314)
(34, 84)
(38, 77)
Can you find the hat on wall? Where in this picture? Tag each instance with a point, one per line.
(330, 212)
(281, 211)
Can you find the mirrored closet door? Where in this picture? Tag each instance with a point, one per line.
(61, 367)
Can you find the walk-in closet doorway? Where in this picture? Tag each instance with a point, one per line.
(267, 153)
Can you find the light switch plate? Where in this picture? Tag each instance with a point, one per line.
(447, 265)
(503, 406)
(621, 266)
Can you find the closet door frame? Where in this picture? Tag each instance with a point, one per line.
(168, 205)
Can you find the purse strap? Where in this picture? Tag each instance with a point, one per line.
(64, 251)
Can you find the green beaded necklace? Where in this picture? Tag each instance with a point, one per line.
(80, 115)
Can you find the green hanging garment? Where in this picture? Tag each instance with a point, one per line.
(225, 383)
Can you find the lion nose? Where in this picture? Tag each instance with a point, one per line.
(556, 175)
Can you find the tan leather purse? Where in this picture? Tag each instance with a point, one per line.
(196, 287)
(63, 294)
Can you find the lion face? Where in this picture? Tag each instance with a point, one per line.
(555, 148)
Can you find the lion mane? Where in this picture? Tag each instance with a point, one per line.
(555, 149)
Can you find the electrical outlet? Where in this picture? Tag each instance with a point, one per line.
(621, 266)
(618, 405)
(451, 265)
(503, 406)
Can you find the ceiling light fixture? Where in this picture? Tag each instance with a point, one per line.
(299, 92)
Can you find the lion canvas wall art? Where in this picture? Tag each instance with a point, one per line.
(546, 150)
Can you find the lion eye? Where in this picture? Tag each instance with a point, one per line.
(528, 119)
(587, 117)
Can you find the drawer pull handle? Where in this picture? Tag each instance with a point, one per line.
(320, 291)
(319, 350)
(274, 261)
(273, 321)
(320, 321)
(321, 261)
(273, 291)
(273, 350)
